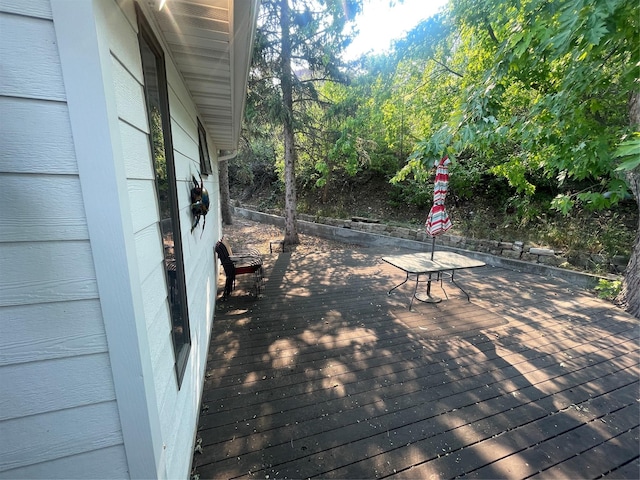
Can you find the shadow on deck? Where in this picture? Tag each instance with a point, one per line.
(328, 376)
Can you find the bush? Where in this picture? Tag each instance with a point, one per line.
(412, 192)
(608, 289)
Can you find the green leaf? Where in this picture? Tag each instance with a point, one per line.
(595, 34)
(562, 203)
(629, 148)
(629, 165)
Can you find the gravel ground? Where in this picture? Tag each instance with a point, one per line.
(243, 234)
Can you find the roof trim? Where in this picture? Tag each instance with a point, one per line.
(211, 42)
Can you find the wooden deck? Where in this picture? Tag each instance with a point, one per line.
(328, 376)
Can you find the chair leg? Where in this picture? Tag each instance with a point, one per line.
(259, 280)
(229, 285)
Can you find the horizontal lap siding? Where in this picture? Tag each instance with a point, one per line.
(53, 435)
(178, 409)
(134, 128)
(60, 217)
(58, 405)
(30, 69)
(51, 330)
(33, 8)
(42, 127)
(44, 272)
(31, 398)
(106, 464)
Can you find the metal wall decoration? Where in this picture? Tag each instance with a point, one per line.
(199, 203)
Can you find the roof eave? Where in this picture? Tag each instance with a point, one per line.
(211, 43)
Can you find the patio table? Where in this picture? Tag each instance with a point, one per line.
(422, 263)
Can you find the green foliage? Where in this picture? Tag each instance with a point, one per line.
(515, 171)
(157, 136)
(160, 160)
(412, 192)
(274, 199)
(469, 177)
(540, 92)
(525, 210)
(630, 151)
(255, 161)
(529, 99)
(610, 192)
(608, 289)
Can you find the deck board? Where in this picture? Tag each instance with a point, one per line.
(328, 376)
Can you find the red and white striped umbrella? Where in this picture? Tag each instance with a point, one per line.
(438, 220)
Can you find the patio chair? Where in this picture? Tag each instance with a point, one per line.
(239, 263)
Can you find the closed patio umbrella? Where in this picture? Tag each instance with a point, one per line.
(438, 220)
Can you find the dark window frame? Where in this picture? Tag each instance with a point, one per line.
(176, 285)
(203, 148)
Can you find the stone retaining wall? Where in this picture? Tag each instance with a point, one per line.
(515, 255)
(509, 249)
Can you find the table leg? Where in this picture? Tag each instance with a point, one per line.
(400, 284)
(458, 285)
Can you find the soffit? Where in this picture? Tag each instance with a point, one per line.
(210, 42)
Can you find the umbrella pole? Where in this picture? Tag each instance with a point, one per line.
(429, 298)
(433, 247)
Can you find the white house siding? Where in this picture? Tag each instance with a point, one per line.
(178, 408)
(58, 411)
(64, 403)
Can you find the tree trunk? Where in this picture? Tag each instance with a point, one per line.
(290, 224)
(225, 197)
(629, 297)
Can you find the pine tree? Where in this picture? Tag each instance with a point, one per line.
(298, 44)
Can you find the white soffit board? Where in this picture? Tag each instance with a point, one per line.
(210, 42)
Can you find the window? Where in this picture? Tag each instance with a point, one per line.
(205, 161)
(157, 100)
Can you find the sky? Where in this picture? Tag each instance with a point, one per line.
(379, 24)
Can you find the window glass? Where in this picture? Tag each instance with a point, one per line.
(157, 100)
(205, 161)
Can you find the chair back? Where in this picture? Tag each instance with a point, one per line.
(223, 253)
(226, 244)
